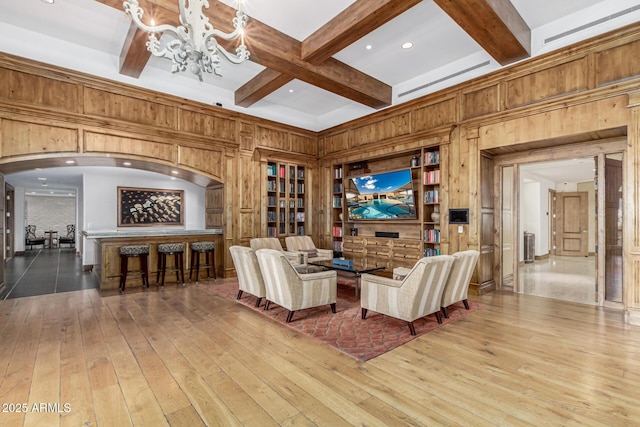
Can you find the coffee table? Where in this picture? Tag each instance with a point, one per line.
(354, 269)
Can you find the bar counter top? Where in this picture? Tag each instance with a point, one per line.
(105, 234)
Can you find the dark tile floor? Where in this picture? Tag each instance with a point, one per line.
(45, 271)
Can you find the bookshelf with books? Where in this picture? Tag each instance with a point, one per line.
(286, 201)
(337, 212)
(431, 201)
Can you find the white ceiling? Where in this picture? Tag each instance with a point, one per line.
(87, 36)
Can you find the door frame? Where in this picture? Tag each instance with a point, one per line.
(563, 152)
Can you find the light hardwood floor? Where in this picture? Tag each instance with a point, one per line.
(186, 357)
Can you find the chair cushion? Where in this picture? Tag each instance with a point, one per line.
(134, 250)
(170, 248)
(311, 253)
(202, 246)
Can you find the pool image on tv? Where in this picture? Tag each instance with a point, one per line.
(381, 196)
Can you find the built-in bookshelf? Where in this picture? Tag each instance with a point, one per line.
(286, 201)
(337, 228)
(431, 202)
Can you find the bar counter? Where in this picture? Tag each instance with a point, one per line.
(107, 255)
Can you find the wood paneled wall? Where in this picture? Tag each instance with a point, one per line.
(579, 94)
(573, 95)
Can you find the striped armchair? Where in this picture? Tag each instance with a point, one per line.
(296, 258)
(249, 275)
(292, 290)
(417, 295)
(305, 245)
(457, 285)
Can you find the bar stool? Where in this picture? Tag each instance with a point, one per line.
(175, 249)
(130, 251)
(208, 249)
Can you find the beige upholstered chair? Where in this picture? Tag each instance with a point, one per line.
(305, 245)
(256, 243)
(292, 290)
(249, 275)
(417, 295)
(458, 282)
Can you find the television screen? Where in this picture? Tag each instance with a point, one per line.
(381, 196)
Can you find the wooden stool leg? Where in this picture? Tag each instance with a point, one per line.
(175, 266)
(197, 267)
(159, 268)
(192, 263)
(181, 261)
(123, 272)
(164, 267)
(145, 270)
(213, 264)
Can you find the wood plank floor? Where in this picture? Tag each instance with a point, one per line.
(186, 357)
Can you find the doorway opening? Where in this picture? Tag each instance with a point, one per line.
(554, 217)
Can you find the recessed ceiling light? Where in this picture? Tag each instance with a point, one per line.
(45, 185)
(290, 90)
(407, 45)
(175, 172)
(42, 179)
(127, 163)
(69, 162)
(368, 47)
(48, 1)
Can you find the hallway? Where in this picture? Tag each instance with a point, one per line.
(46, 271)
(561, 277)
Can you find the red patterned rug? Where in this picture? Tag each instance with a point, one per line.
(345, 330)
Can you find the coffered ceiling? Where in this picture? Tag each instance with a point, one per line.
(314, 64)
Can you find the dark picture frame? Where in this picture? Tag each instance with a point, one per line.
(150, 207)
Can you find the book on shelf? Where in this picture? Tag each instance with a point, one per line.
(300, 173)
(337, 173)
(431, 252)
(432, 177)
(301, 230)
(271, 170)
(432, 236)
(432, 196)
(337, 231)
(431, 158)
(283, 172)
(337, 202)
(300, 216)
(300, 188)
(337, 246)
(337, 187)
(300, 202)
(271, 232)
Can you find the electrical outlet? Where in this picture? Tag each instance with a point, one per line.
(460, 229)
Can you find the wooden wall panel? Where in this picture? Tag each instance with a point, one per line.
(208, 160)
(304, 144)
(247, 134)
(38, 90)
(392, 127)
(207, 125)
(214, 201)
(19, 138)
(570, 120)
(618, 63)
(335, 143)
(435, 115)
(480, 102)
(104, 143)
(115, 106)
(272, 138)
(562, 79)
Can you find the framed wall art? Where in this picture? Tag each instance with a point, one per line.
(150, 207)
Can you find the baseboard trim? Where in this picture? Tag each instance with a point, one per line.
(482, 288)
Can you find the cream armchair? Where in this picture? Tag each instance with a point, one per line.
(296, 258)
(305, 245)
(292, 290)
(457, 285)
(417, 295)
(249, 275)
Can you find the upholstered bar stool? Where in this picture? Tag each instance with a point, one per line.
(134, 251)
(175, 249)
(197, 249)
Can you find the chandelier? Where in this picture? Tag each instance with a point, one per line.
(194, 45)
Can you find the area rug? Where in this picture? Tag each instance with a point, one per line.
(345, 330)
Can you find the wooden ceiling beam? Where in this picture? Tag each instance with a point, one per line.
(265, 83)
(495, 25)
(351, 25)
(270, 48)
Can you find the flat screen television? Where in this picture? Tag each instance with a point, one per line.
(381, 196)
